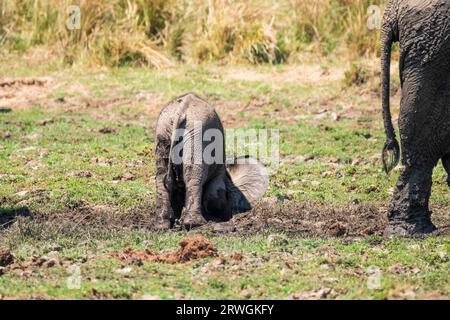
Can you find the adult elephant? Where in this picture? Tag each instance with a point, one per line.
(192, 179)
(422, 28)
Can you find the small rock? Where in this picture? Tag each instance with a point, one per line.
(107, 130)
(101, 161)
(313, 295)
(124, 177)
(50, 263)
(44, 122)
(246, 294)
(325, 266)
(55, 247)
(315, 183)
(124, 270)
(34, 165)
(80, 174)
(43, 153)
(269, 200)
(7, 135)
(335, 116)
(356, 161)
(21, 193)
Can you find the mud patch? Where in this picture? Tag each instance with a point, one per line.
(305, 219)
(191, 248)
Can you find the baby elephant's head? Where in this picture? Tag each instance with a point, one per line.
(248, 180)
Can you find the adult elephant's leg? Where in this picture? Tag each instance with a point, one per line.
(409, 212)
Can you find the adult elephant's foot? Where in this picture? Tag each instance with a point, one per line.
(193, 219)
(410, 228)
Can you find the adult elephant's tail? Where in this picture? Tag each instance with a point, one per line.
(391, 149)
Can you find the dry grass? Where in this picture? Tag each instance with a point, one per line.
(158, 33)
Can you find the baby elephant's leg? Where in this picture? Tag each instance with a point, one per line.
(194, 176)
(164, 208)
(446, 163)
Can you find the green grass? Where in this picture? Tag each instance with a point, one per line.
(45, 144)
(409, 269)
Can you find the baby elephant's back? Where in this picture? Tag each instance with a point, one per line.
(198, 111)
(185, 112)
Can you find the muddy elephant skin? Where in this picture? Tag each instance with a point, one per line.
(192, 188)
(422, 28)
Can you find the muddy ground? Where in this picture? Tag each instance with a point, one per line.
(306, 219)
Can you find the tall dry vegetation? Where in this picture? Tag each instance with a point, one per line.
(162, 32)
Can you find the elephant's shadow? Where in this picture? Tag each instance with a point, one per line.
(9, 215)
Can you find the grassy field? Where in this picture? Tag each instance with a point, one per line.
(77, 184)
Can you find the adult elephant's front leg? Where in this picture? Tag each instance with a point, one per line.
(194, 176)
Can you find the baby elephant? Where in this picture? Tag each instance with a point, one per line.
(192, 180)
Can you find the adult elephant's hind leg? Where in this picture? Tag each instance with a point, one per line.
(409, 212)
(446, 163)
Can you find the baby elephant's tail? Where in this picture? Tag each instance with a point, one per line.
(249, 180)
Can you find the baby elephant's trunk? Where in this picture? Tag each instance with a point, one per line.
(247, 183)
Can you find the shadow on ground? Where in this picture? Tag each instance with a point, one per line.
(9, 216)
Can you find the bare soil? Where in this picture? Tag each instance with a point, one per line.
(23, 93)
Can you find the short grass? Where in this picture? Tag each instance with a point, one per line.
(48, 144)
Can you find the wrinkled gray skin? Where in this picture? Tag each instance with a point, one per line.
(190, 191)
(422, 28)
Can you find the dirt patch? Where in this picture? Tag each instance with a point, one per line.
(295, 74)
(35, 262)
(307, 219)
(191, 248)
(23, 93)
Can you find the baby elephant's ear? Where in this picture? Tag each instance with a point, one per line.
(247, 183)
